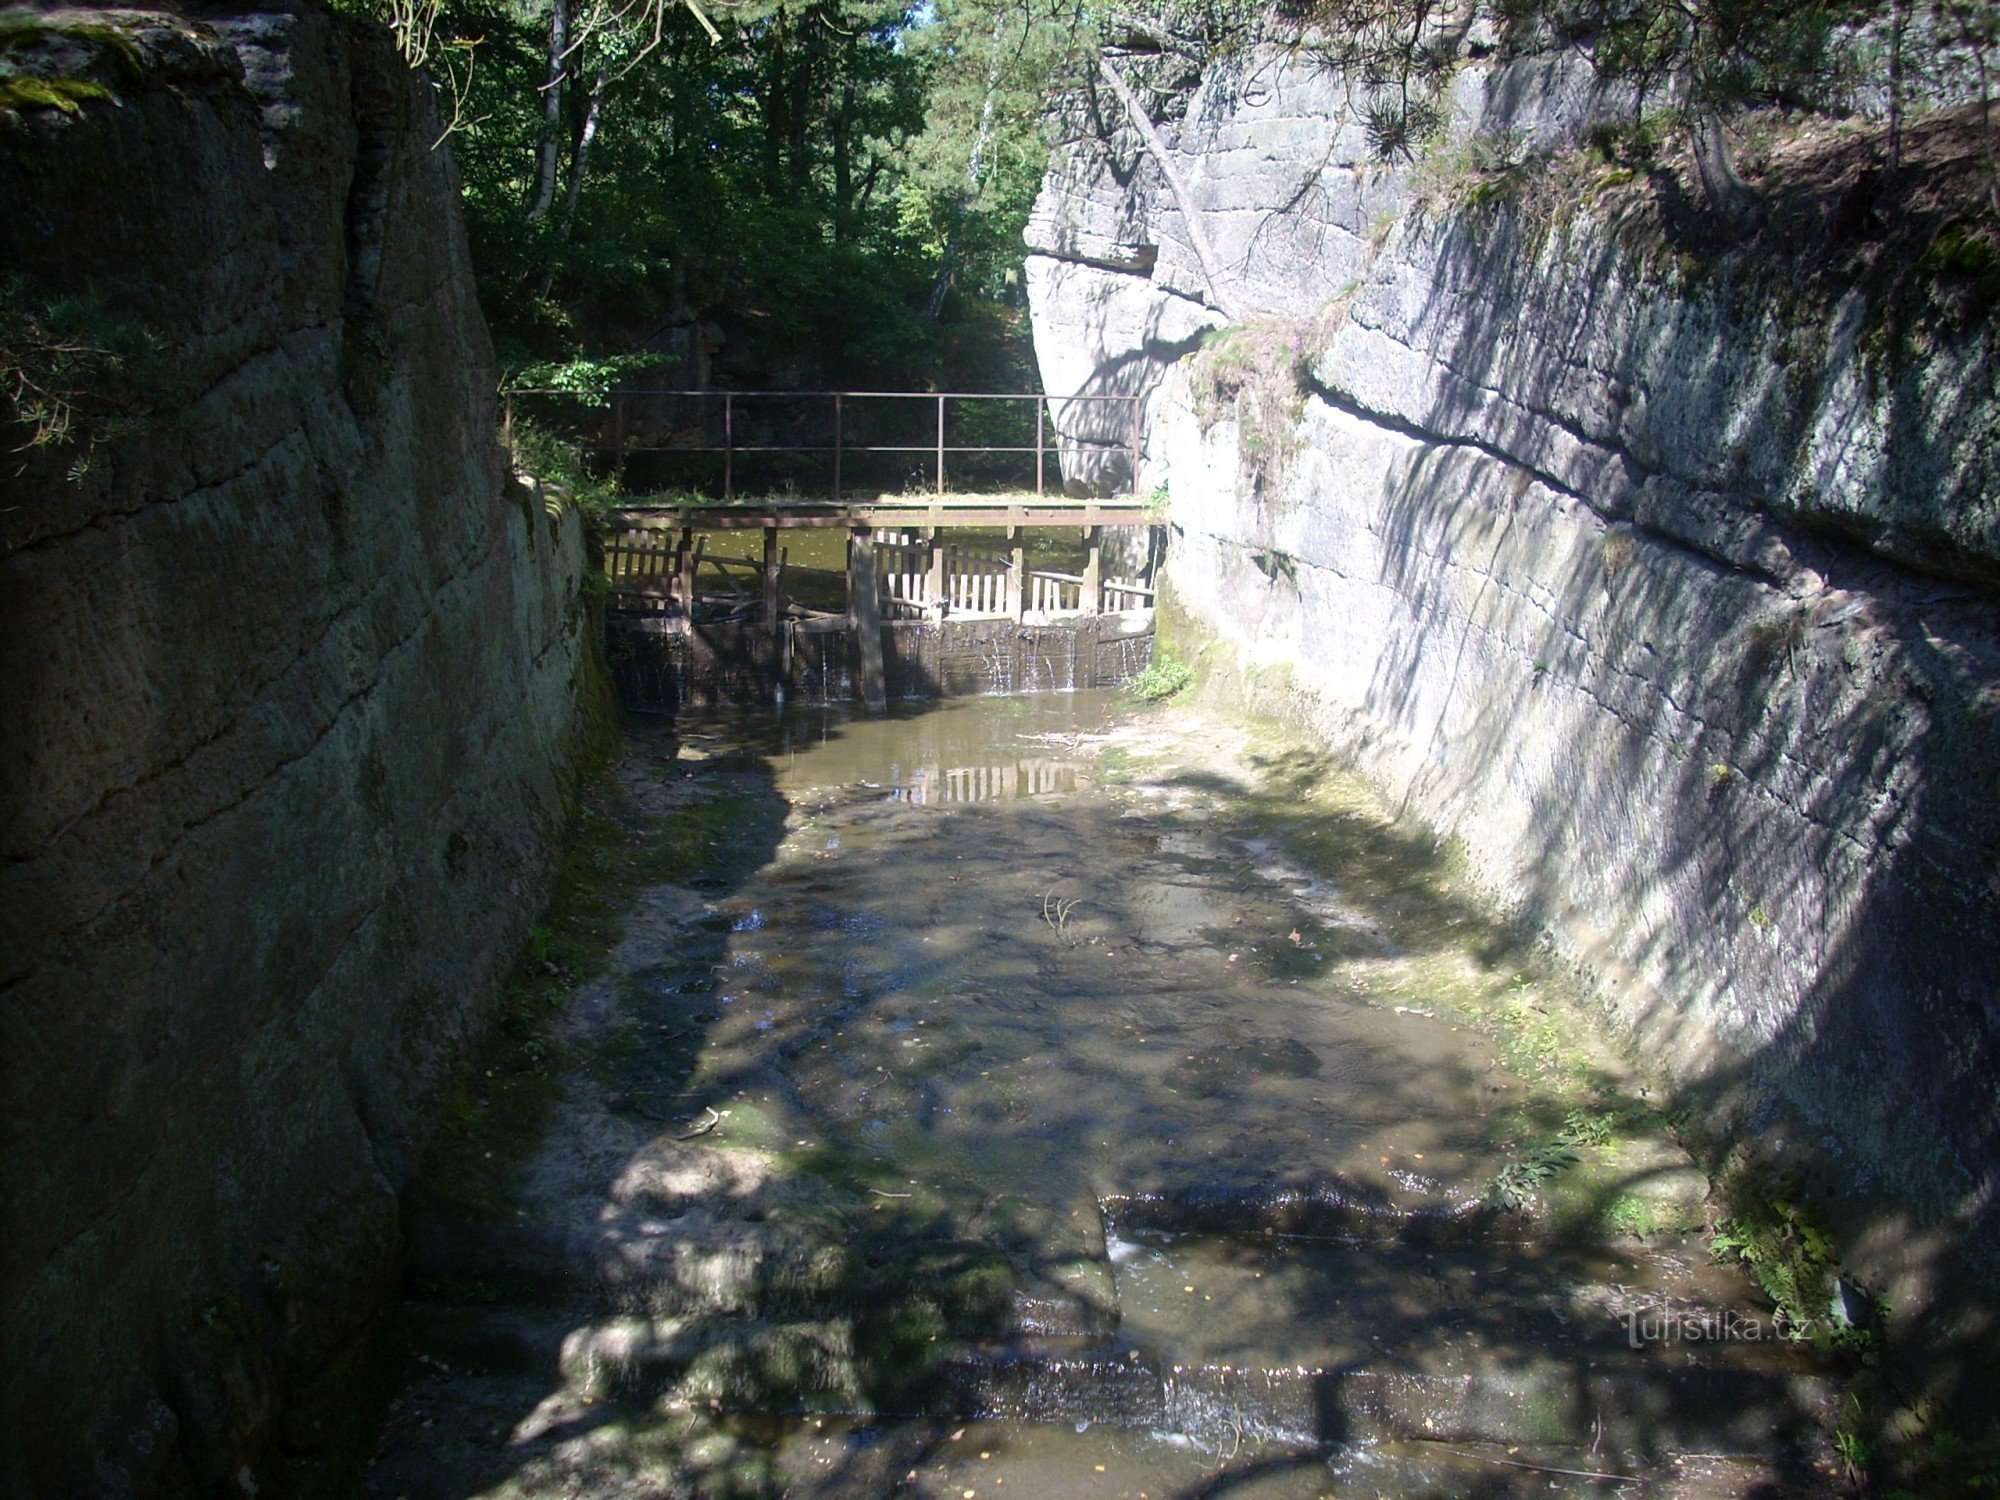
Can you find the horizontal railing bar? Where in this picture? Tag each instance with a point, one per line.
(826, 395)
(822, 448)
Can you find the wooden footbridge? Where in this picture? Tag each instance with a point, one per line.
(901, 565)
(930, 553)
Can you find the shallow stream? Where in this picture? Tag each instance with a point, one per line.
(1032, 1096)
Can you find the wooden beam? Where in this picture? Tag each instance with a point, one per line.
(1093, 570)
(864, 618)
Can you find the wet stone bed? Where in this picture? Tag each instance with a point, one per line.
(1041, 1097)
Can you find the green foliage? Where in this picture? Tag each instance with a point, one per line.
(584, 376)
(562, 467)
(1164, 677)
(1514, 1186)
(1963, 262)
(1258, 372)
(72, 376)
(1793, 1261)
(832, 196)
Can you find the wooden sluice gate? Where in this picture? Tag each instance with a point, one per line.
(921, 616)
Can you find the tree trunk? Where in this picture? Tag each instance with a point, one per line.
(545, 166)
(1204, 254)
(593, 114)
(1727, 194)
(975, 169)
(843, 165)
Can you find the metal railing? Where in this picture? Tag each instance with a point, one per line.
(627, 430)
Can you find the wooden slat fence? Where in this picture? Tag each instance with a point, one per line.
(975, 583)
(1054, 593)
(641, 564)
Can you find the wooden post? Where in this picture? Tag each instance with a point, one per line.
(783, 630)
(1017, 575)
(934, 585)
(771, 565)
(684, 571)
(864, 618)
(1093, 570)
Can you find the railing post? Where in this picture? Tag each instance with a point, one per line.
(940, 444)
(1041, 404)
(728, 444)
(836, 444)
(1093, 570)
(934, 585)
(1017, 575)
(1138, 439)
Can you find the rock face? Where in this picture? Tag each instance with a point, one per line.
(1658, 573)
(290, 677)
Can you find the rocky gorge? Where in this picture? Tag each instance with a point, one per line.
(1649, 563)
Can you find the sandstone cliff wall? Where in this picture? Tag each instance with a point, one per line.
(288, 703)
(1657, 569)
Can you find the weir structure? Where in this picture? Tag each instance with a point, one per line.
(921, 614)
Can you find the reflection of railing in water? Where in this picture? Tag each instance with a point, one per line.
(1033, 777)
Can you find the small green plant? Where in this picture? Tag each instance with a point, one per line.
(1793, 1262)
(1963, 261)
(1630, 1214)
(1164, 677)
(72, 376)
(1855, 1454)
(560, 464)
(1514, 1186)
(1259, 373)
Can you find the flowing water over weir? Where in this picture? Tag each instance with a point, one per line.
(1016, 1098)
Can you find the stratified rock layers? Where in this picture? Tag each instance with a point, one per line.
(1662, 582)
(288, 706)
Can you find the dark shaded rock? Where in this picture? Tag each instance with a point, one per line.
(290, 678)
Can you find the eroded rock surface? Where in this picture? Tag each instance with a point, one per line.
(289, 679)
(1657, 568)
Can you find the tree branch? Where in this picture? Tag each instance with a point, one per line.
(1204, 254)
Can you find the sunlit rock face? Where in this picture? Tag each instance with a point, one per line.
(287, 686)
(1657, 569)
